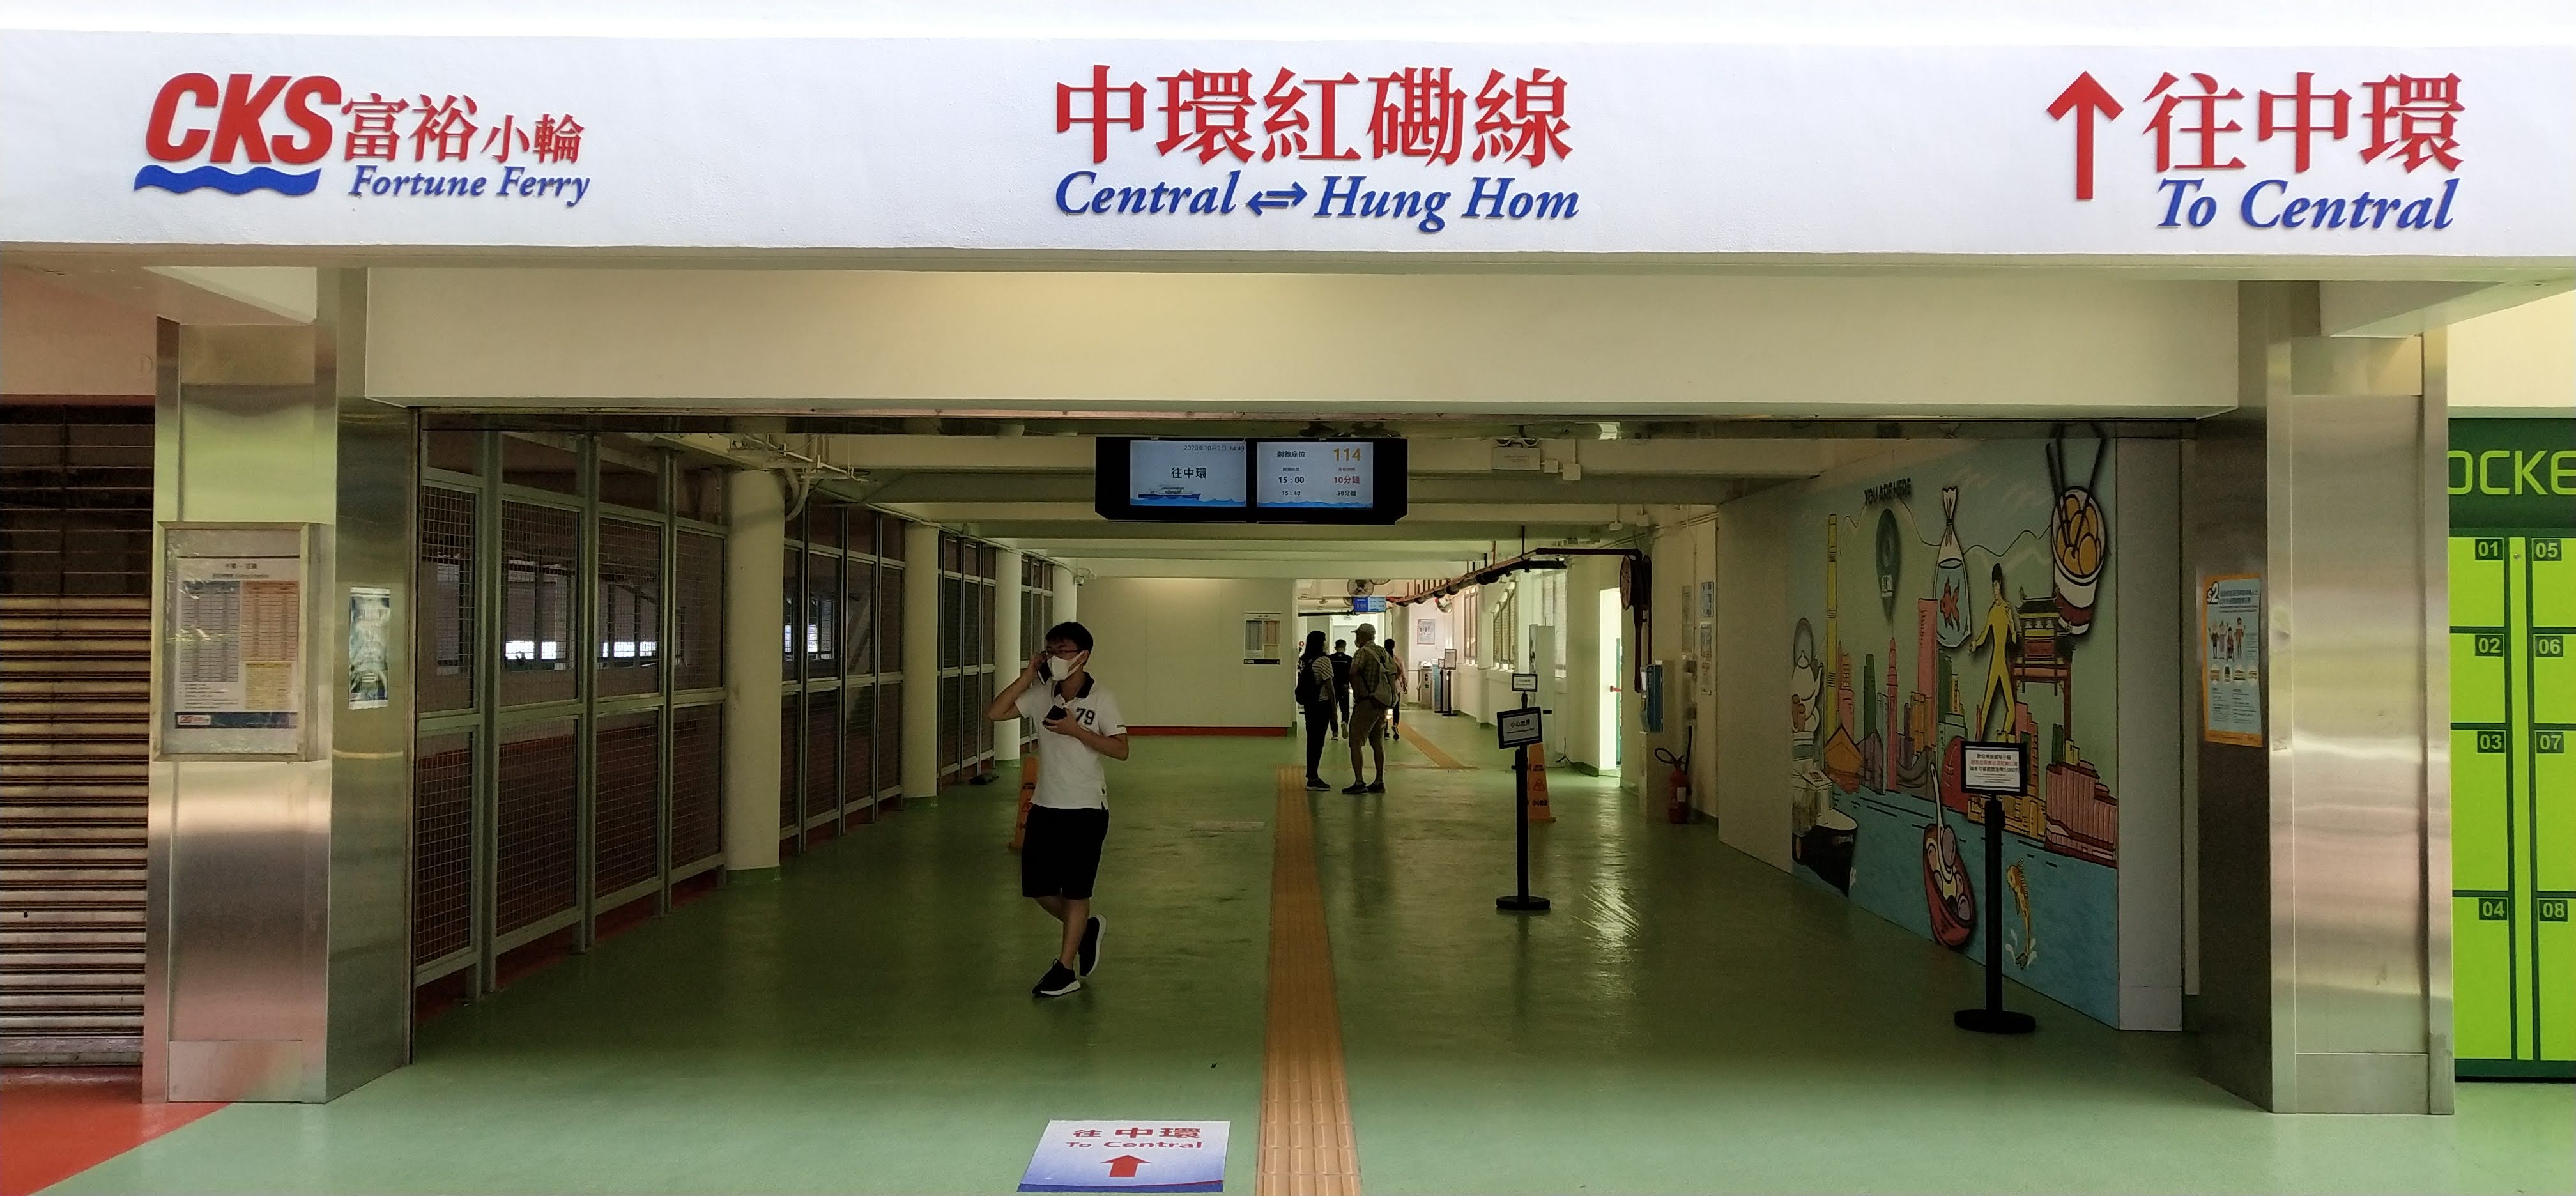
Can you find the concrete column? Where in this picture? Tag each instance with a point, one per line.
(275, 929)
(2322, 871)
(1066, 591)
(920, 661)
(1006, 648)
(755, 543)
(1584, 694)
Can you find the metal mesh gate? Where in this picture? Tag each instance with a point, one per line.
(537, 883)
(697, 787)
(626, 802)
(442, 833)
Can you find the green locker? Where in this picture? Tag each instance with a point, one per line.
(2513, 781)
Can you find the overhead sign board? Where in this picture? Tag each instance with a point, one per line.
(124, 138)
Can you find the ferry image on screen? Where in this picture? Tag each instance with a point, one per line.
(1329, 475)
(1186, 473)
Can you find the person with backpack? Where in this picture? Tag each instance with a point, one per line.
(1315, 690)
(1372, 696)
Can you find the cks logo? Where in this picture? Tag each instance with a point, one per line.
(229, 123)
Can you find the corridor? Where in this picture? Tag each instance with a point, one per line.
(1686, 1019)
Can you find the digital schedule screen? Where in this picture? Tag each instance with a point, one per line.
(1334, 475)
(1193, 474)
(1262, 480)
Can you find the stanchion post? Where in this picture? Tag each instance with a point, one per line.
(1998, 757)
(1516, 730)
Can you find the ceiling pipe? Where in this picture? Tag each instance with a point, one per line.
(1536, 558)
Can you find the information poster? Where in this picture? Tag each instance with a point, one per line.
(371, 611)
(1706, 638)
(2231, 659)
(1426, 632)
(1261, 636)
(237, 639)
(1335, 475)
(1186, 473)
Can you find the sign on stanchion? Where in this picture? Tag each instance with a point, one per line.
(1994, 771)
(1515, 730)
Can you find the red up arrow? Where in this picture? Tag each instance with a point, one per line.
(2085, 93)
(1124, 1166)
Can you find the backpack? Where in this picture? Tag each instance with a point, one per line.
(1309, 687)
(1373, 675)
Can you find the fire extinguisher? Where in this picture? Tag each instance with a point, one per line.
(1677, 796)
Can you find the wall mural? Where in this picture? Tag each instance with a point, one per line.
(1995, 623)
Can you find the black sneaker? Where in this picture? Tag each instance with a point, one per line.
(1089, 952)
(1356, 788)
(1058, 981)
(1376, 786)
(1318, 784)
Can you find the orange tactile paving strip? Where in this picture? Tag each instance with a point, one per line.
(1307, 1148)
(1422, 743)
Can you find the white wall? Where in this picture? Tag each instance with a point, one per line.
(2149, 672)
(2519, 361)
(1749, 705)
(1696, 344)
(55, 341)
(1172, 648)
(1883, 22)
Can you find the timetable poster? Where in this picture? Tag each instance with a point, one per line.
(2231, 660)
(237, 635)
(1334, 475)
(1186, 473)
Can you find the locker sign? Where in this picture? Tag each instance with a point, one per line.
(2490, 548)
(2490, 644)
(2549, 646)
(2551, 743)
(2494, 909)
(2490, 742)
(2546, 550)
(2552, 909)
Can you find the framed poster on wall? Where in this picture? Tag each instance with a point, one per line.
(2231, 659)
(234, 617)
(1707, 641)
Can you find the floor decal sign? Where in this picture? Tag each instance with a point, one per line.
(1128, 1156)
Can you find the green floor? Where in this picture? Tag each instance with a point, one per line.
(1687, 1020)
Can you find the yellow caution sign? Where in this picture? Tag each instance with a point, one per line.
(1028, 795)
(1538, 811)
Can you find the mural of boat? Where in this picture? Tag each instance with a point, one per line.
(1842, 760)
(2083, 817)
(1946, 892)
(1827, 848)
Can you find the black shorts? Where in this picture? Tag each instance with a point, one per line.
(1061, 855)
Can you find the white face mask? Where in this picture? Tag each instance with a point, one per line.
(1058, 668)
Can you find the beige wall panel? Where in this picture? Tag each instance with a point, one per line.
(1844, 345)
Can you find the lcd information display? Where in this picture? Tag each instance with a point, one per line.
(1188, 474)
(1350, 480)
(1332, 475)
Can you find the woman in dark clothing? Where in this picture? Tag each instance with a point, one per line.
(1315, 696)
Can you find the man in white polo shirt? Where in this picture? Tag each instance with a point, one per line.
(1069, 814)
